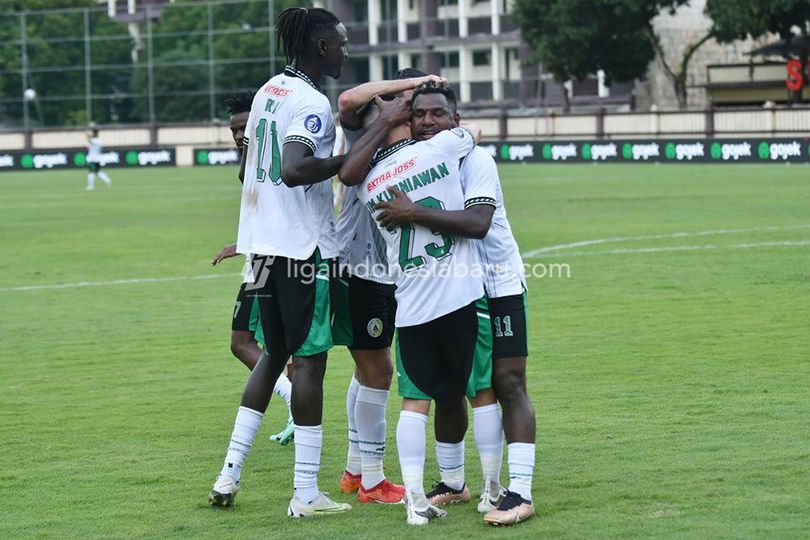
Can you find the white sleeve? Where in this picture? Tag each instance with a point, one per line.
(309, 124)
(456, 141)
(479, 179)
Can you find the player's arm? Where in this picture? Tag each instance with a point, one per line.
(472, 222)
(357, 165)
(299, 167)
(353, 100)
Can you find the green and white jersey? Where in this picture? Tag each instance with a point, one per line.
(435, 273)
(94, 147)
(362, 248)
(498, 252)
(276, 219)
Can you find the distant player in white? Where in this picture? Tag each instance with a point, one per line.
(438, 279)
(364, 318)
(286, 223)
(505, 286)
(94, 160)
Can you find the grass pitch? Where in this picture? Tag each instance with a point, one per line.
(669, 370)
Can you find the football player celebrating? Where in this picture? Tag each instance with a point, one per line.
(437, 285)
(434, 111)
(364, 320)
(286, 224)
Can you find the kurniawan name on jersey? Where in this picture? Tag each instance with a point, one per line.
(407, 185)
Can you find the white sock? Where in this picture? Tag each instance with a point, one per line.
(91, 180)
(308, 441)
(411, 447)
(488, 432)
(104, 177)
(521, 468)
(370, 418)
(353, 463)
(244, 430)
(451, 463)
(283, 388)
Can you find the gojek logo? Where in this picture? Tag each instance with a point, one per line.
(27, 161)
(559, 152)
(202, 157)
(684, 151)
(641, 151)
(132, 157)
(80, 159)
(782, 151)
(597, 152)
(729, 151)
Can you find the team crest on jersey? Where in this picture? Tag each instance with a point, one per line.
(312, 123)
(374, 327)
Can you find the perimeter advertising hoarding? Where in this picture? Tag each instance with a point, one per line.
(77, 158)
(754, 150)
(216, 156)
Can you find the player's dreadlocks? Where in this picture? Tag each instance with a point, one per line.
(295, 27)
(432, 87)
(240, 103)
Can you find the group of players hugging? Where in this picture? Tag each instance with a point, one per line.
(421, 246)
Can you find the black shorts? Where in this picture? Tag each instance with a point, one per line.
(242, 310)
(294, 302)
(509, 331)
(94, 167)
(437, 356)
(366, 313)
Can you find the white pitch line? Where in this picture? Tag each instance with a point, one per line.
(535, 252)
(679, 248)
(113, 282)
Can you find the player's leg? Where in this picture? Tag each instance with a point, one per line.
(487, 427)
(414, 353)
(342, 335)
(305, 306)
(509, 380)
(372, 310)
(91, 176)
(255, 397)
(103, 175)
(457, 334)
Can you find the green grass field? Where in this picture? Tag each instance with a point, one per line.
(669, 372)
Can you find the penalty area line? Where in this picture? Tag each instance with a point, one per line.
(114, 282)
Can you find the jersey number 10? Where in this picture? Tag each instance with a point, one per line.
(275, 157)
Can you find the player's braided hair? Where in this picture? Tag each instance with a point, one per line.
(239, 103)
(433, 87)
(296, 27)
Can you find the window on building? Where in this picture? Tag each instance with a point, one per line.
(415, 58)
(389, 10)
(390, 65)
(450, 59)
(482, 58)
(359, 11)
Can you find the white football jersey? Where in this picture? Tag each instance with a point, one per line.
(362, 247)
(435, 273)
(498, 252)
(94, 147)
(275, 219)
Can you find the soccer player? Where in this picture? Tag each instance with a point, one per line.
(435, 278)
(94, 162)
(286, 223)
(246, 330)
(364, 320)
(505, 284)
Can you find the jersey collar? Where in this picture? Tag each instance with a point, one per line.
(291, 71)
(383, 153)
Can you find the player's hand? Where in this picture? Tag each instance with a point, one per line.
(396, 211)
(225, 253)
(395, 112)
(432, 78)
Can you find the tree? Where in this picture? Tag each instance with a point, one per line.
(575, 38)
(790, 19)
